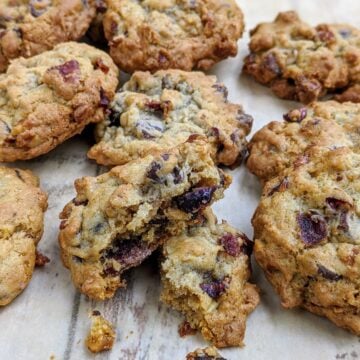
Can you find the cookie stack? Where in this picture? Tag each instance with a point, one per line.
(165, 137)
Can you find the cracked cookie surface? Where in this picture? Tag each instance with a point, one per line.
(307, 236)
(119, 218)
(22, 207)
(179, 34)
(157, 112)
(48, 98)
(301, 62)
(205, 273)
(280, 145)
(28, 28)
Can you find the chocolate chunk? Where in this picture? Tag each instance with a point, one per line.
(214, 288)
(152, 172)
(70, 70)
(282, 186)
(150, 127)
(328, 274)
(38, 7)
(231, 244)
(78, 202)
(128, 252)
(295, 115)
(343, 223)
(313, 227)
(178, 175)
(345, 33)
(194, 200)
(96, 313)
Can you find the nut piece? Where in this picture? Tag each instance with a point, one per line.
(101, 336)
(209, 353)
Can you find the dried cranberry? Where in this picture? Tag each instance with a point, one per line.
(186, 329)
(245, 119)
(221, 88)
(325, 34)
(195, 199)
(328, 274)
(313, 227)
(41, 259)
(295, 115)
(231, 244)
(99, 64)
(214, 288)
(270, 63)
(152, 172)
(69, 70)
(104, 100)
(282, 186)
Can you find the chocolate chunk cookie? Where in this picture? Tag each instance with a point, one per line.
(119, 218)
(205, 275)
(157, 112)
(209, 353)
(280, 145)
(300, 62)
(307, 236)
(28, 28)
(48, 98)
(157, 34)
(22, 207)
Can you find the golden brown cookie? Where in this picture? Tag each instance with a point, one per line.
(119, 218)
(157, 112)
(49, 98)
(28, 28)
(280, 145)
(307, 236)
(301, 62)
(186, 34)
(205, 275)
(22, 207)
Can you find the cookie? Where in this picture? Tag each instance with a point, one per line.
(306, 232)
(156, 34)
(205, 274)
(119, 218)
(22, 208)
(102, 335)
(157, 112)
(304, 63)
(280, 145)
(209, 353)
(28, 28)
(50, 97)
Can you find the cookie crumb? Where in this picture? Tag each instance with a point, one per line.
(209, 353)
(41, 259)
(186, 329)
(101, 336)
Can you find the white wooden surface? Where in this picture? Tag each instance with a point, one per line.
(51, 319)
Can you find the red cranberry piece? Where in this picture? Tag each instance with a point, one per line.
(313, 227)
(41, 259)
(337, 204)
(195, 199)
(78, 202)
(214, 288)
(231, 244)
(328, 274)
(99, 64)
(69, 70)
